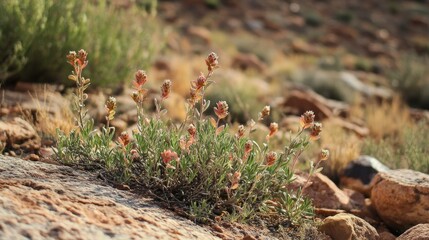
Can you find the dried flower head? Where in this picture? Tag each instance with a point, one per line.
(307, 119)
(212, 61)
(110, 107)
(71, 57)
(324, 155)
(82, 56)
(274, 127)
(221, 109)
(265, 112)
(166, 89)
(270, 158)
(315, 131)
(168, 156)
(111, 104)
(140, 78)
(192, 130)
(124, 138)
(240, 132)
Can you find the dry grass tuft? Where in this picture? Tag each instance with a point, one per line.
(385, 119)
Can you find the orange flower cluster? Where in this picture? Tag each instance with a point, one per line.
(197, 86)
(166, 89)
(264, 113)
(167, 156)
(110, 108)
(140, 78)
(307, 119)
(221, 109)
(270, 158)
(240, 132)
(212, 61)
(79, 59)
(186, 143)
(124, 139)
(274, 127)
(307, 122)
(247, 149)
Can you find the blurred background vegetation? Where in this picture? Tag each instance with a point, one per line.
(35, 35)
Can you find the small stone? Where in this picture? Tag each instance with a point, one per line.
(418, 232)
(347, 226)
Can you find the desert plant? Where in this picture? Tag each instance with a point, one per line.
(405, 150)
(19, 25)
(198, 163)
(411, 79)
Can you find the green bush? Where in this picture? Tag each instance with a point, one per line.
(407, 151)
(20, 22)
(49, 28)
(411, 79)
(197, 163)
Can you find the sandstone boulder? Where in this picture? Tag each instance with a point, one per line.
(17, 133)
(324, 194)
(44, 201)
(418, 232)
(346, 226)
(401, 198)
(358, 174)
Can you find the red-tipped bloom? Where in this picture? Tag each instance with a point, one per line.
(140, 78)
(307, 119)
(168, 156)
(192, 130)
(248, 146)
(71, 57)
(200, 82)
(274, 127)
(82, 56)
(166, 89)
(315, 131)
(324, 155)
(221, 109)
(124, 139)
(270, 158)
(212, 61)
(240, 131)
(265, 112)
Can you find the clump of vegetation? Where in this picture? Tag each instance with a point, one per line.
(32, 38)
(406, 150)
(197, 163)
(411, 79)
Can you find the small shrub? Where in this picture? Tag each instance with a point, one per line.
(411, 79)
(344, 16)
(35, 34)
(406, 150)
(313, 19)
(198, 163)
(19, 25)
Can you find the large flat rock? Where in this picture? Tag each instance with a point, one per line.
(45, 201)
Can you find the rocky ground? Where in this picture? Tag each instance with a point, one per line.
(46, 201)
